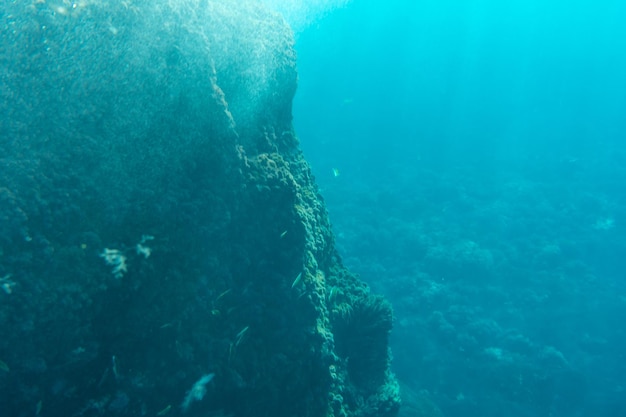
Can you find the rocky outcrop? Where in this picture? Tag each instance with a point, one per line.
(163, 247)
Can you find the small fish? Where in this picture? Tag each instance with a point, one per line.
(335, 172)
(104, 377)
(223, 294)
(4, 367)
(38, 408)
(282, 235)
(114, 367)
(297, 280)
(164, 411)
(332, 294)
(240, 335)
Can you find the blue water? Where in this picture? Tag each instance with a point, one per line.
(472, 157)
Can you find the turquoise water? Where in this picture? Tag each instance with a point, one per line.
(472, 157)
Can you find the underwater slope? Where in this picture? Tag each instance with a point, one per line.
(163, 247)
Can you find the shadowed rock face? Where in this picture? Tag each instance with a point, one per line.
(158, 223)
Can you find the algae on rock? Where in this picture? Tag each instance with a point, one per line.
(171, 120)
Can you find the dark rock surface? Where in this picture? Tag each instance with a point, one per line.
(158, 223)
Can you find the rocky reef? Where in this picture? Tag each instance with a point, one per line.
(164, 249)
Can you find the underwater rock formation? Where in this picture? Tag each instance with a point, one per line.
(163, 247)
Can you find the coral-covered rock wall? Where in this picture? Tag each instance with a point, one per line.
(163, 247)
